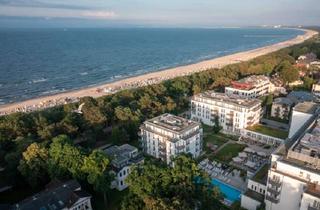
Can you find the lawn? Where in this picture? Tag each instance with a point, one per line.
(269, 131)
(229, 151)
(214, 139)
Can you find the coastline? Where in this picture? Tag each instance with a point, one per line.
(149, 78)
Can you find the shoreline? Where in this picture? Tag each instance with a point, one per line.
(149, 78)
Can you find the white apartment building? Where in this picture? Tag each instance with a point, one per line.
(250, 87)
(294, 176)
(123, 157)
(301, 113)
(234, 113)
(253, 198)
(281, 108)
(167, 136)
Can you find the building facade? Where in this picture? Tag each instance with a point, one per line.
(250, 87)
(167, 136)
(294, 175)
(123, 157)
(232, 112)
(57, 195)
(301, 114)
(281, 108)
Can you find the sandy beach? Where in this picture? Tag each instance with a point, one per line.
(149, 78)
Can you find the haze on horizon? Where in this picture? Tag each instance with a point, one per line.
(164, 13)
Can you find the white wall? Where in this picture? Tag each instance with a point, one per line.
(249, 203)
(297, 120)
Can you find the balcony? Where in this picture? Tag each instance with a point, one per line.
(311, 207)
(272, 199)
(274, 191)
(275, 183)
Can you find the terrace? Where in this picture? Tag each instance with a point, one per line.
(273, 132)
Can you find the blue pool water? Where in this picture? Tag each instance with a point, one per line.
(230, 193)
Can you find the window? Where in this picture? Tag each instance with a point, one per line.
(121, 183)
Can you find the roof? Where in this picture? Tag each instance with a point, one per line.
(250, 82)
(172, 123)
(306, 107)
(283, 101)
(57, 196)
(228, 99)
(300, 96)
(122, 155)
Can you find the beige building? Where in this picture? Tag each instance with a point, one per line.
(233, 112)
(167, 136)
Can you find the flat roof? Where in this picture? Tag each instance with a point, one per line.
(306, 107)
(283, 100)
(172, 122)
(229, 99)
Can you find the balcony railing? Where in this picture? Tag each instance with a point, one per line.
(272, 199)
(275, 183)
(311, 207)
(273, 190)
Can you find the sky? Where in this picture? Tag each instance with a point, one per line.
(158, 13)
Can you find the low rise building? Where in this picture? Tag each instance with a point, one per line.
(316, 89)
(301, 114)
(250, 87)
(123, 157)
(167, 136)
(294, 175)
(281, 108)
(232, 112)
(306, 60)
(59, 196)
(253, 198)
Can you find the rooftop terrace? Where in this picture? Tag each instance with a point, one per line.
(269, 131)
(307, 149)
(306, 107)
(173, 123)
(232, 100)
(123, 155)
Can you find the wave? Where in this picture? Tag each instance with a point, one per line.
(54, 91)
(83, 73)
(262, 36)
(38, 80)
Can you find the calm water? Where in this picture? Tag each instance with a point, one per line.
(36, 62)
(229, 193)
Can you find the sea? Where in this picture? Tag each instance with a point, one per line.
(39, 62)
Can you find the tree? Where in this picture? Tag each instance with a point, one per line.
(119, 135)
(92, 112)
(308, 82)
(33, 165)
(288, 73)
(159, 187)
(64, 158)
(216, 126)
(95, 166)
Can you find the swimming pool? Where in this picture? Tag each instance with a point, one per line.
(230, 193)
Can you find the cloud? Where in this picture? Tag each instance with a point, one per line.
(99, 14)
(11, 11)
(41, 4)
